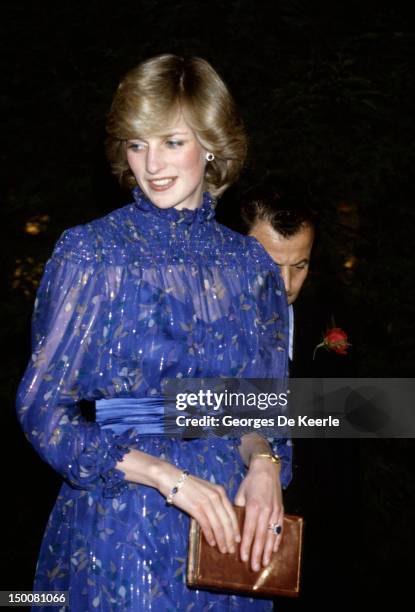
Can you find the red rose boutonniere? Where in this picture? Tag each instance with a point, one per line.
(335, 339)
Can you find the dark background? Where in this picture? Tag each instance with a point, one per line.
(326, 90)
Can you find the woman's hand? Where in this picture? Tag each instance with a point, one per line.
(204, 501)
(260, 492)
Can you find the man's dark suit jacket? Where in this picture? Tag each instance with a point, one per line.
(325, 485)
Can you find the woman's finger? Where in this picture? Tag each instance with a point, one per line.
(222, 513)
(261, 535)
(211, 507)
(271, 539)
(278, 538)
(236, 534)
(222, 516)
(206, 528)
(251, 512)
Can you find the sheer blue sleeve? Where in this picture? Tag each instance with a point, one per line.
(283, 448)
(67, 339)
(276, 339)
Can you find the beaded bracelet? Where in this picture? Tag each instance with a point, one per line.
(177, 486)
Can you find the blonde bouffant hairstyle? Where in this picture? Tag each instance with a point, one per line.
(149, 97)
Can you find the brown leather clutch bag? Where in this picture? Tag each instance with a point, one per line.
(208, 568)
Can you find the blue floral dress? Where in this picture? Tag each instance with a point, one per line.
(127, 301)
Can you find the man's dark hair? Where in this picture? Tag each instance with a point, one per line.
(283, 206)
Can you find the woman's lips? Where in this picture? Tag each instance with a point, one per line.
(162, 184)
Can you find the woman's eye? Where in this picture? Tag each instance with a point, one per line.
(136, 146)
(173, 144)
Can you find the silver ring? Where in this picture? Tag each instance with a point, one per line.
(275, 528)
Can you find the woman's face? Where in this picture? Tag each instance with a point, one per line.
(169, 167)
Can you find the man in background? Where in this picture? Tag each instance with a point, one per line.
(285, 227)
(325, 484)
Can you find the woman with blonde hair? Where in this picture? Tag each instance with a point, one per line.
(155, 290)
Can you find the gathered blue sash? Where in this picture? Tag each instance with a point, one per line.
(146, 414)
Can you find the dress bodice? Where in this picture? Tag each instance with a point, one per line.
(176, 295)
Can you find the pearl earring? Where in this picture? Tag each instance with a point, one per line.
(210, 157)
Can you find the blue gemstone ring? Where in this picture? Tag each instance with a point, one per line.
(275, 528)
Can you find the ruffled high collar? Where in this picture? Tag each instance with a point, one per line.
(205, 212)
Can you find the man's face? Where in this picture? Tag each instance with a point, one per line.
(291, 254)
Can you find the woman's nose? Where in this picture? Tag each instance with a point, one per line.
(154, 160)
